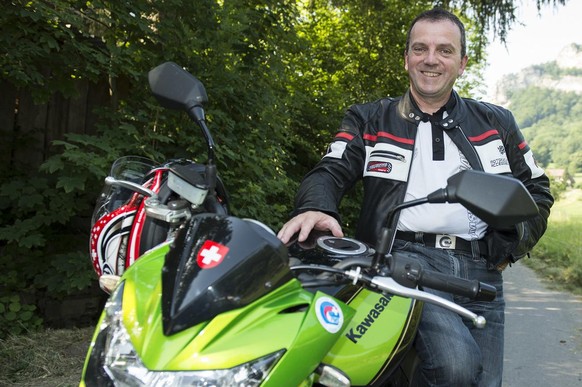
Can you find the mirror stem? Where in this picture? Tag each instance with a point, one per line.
(386, 239)
(197, 113)
(439, 196)
(209, 141)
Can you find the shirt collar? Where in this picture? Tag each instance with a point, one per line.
(410, 111)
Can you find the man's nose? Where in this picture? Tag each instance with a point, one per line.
(430, 57)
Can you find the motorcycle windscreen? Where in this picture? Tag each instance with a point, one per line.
(126, 168)
(216, 264)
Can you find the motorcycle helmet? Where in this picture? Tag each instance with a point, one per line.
(121, 231)
(119, 216)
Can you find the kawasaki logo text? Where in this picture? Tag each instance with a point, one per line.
(356, 333)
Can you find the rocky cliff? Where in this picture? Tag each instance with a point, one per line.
(565, 73)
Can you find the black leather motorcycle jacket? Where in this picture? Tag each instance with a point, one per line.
(375, 143)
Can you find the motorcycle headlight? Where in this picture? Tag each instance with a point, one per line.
(113, 360)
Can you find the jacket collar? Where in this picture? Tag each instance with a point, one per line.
(456, 110)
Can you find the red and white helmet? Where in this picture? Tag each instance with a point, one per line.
(119, 216)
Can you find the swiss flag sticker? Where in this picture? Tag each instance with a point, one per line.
(211, 254)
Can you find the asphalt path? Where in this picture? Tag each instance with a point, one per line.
(543, 332)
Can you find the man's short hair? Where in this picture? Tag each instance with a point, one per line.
(439, 14)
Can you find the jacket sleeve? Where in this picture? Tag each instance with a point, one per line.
(511, 245)
(340, 168)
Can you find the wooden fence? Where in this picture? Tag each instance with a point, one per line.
(27, 129)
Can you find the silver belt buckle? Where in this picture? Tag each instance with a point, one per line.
(444, 241)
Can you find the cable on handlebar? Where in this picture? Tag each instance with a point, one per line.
(318, 267)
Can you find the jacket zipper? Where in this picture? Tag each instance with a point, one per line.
(387, 154)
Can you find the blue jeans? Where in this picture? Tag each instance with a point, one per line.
(452, 351)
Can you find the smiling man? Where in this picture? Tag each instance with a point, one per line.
(407, 147)
(435, 57)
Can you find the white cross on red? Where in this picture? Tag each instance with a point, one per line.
(211, 254)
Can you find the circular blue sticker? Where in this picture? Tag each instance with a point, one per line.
(329, 314)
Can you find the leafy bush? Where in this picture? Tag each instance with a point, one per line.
(40, 233)
(17, 317)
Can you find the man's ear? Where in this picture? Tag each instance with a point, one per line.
(464, 61)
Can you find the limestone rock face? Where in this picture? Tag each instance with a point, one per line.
(565, 73)
(570, 56)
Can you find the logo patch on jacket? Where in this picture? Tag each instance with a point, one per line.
(387, 161)
(379, 166)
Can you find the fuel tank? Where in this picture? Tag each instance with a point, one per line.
(384, 325)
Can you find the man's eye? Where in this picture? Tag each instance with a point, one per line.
(418, 50)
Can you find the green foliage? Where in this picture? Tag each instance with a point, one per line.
(17, 317)
(48, 45)
(558, 255)
(554, 71)
(70, 273)
(551, 120)
(36, 233)
(534, 104)
(557, 188)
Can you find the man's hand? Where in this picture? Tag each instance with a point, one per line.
(307, 221)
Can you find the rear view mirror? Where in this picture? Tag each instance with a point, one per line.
(175, 88)
(500, 201)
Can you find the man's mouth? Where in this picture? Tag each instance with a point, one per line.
(430, 74)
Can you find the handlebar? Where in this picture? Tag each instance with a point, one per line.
(110, 180)
(402, 277)
(473, 289)
(409, 273)
(389, 285)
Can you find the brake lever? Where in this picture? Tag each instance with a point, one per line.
(389, 285)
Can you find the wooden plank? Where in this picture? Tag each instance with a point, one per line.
(7, 116)
(97, 97)
(29, 132)
(56, 121)
(77, 109)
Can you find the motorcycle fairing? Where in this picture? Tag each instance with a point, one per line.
(284, 318)
(247, 262)
(314, 338)
(380, 332)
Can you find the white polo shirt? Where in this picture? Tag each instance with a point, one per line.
(426, 176)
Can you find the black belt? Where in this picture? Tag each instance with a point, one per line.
(442, 241)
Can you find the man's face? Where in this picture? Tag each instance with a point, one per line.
(434, 61)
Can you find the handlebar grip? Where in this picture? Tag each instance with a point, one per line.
(468, 288)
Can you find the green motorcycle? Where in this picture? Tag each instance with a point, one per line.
(223, 302)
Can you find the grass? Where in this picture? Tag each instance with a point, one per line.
(558, 256)
(49, 358)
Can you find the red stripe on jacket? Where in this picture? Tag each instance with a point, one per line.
(345, 135)
(402, 140)
(485, 135)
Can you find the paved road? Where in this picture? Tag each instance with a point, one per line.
(543, 334)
